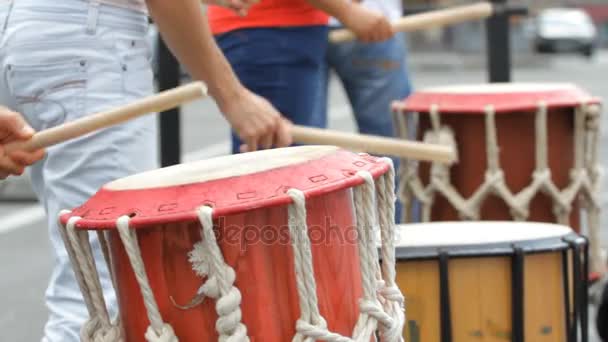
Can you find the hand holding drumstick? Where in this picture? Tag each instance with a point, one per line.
(282, 131)
(422, 21)
(14, 128)
(256, 122)
(367, 25)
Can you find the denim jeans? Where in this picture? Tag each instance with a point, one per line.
(283, 65)
(373, 76)
(62, 60)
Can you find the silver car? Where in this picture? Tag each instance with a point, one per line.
(565, 30)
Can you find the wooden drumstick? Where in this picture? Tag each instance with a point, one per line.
(374, 144)
(156, 103)
(431, 19)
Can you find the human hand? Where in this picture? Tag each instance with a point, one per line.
(240, 7)
(369, 26)
(14, 128)
(256, 122)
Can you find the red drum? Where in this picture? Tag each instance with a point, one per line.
(170, 281)
(526, 152)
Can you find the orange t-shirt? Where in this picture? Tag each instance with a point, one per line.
(267, 13)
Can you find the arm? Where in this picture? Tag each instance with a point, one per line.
(368, 25)
(12, 128)
(185, 29)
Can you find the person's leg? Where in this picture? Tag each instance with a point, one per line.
(323, 102)
(283, 65)
(373, 75)
(78, 65)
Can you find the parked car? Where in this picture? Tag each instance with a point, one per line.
(565, 30)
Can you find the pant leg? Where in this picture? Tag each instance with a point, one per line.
(373, 76)
(282, 65)
(59, 74)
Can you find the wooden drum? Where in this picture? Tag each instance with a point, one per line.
(261, 246)
(492, 281)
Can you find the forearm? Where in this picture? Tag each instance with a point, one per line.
(186, 32)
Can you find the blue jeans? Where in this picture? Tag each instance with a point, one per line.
(61, 60)
(373, 75)
(283, 65)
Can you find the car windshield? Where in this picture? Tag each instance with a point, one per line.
(570, 19)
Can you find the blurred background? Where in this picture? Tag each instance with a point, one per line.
(580, 21)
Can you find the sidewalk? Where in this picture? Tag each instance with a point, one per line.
(445, 61)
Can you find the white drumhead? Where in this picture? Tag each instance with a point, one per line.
(221, 167)
(500, 88)
(475, 233)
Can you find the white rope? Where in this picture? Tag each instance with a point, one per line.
(158, 330)
(207, 261)
(76, 265)
(366, 210)
(585, 175)
(91, 279)
(98, 328)
(394, 301)
(93, 331)
(311, 326)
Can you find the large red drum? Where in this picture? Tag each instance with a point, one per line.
(247, 197)
(526, 152)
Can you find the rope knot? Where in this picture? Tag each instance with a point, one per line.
(228, 308)
(89, 329)
(319, 332)
(112, 334)
(593, 116)
(166, 334)
(94, 331)
(392, 293)
(375, 310)
(207, 261)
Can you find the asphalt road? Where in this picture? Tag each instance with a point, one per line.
(25, 262)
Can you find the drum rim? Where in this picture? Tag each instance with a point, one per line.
(532, 246)
(102, 210)
(565, 95)
(506, 87)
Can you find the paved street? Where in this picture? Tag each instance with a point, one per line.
(25, 257)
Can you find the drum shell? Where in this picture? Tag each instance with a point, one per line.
(264, 269)
(481, 298)
(516, 141)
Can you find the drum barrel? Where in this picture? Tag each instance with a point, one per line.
(257, 245)
(526, 291)
(516, 140)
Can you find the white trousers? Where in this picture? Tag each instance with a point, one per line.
(60, 60)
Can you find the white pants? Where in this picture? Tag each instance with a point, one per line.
(60, 60)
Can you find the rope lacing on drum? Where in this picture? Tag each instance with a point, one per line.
(98, 328)
(208, 262)
(393, 298)
(584, 177)
(158, 331)
(382, 300)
